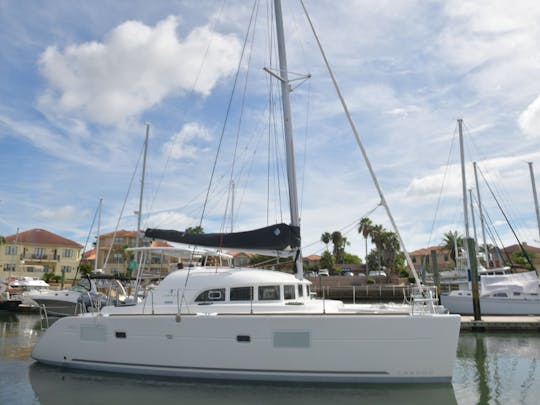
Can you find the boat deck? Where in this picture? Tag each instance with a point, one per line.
(501, 323)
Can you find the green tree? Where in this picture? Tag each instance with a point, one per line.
(326, 238)
(452, 239)
(85, 268)
(518, 259)
(364, 227)
(351, 259)
(327, 261)
(195, 229)
(339, 243)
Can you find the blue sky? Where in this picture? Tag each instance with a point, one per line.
(79, 80)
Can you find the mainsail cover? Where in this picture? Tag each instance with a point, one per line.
(274, 237)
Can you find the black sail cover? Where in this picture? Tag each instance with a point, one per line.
(274, 237)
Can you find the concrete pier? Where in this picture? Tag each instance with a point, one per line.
(501, 323)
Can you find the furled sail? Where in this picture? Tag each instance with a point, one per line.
(274, 237)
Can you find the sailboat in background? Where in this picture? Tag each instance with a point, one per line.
(252, 324)
(501, 292)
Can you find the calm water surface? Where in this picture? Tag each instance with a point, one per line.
(490, 369)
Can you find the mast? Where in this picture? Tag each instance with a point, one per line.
(482, 224)
(472, 217)
(139, 212)
(287, 123)
(464, 186)
(535, 196)
(96, 262)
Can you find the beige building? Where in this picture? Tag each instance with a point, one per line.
(36, 252)
(114, 259)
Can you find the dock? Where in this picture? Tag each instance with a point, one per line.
(501, 323)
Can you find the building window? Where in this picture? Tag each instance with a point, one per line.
(155, 259)
(66, 269)
(445, 258)
(118, 258)
(67, 253)
(414, 259)
(118, 239)
(39, 253)
(11, 250)
(9, 267)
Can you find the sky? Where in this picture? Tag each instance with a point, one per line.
(79, 82)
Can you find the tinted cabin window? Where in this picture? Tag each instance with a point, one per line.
(268, 293)
(300, 291)
(241, 294)
(288, 292)
(217, 294)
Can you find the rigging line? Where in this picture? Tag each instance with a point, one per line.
(185, 111)
(222, 135)
(242, 107)
(363, 151)
(508, 222)
(271, 118)
(494, 236)
(123, 207)
(86, 243)
(442, 185)
(303, 181)
(354, 223)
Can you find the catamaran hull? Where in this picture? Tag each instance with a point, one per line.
(332, 348)
(491, 306)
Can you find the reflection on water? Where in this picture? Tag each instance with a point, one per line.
(80, 387)
(498, 368)
(490, 368)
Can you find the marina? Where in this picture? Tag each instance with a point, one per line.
(491, 367)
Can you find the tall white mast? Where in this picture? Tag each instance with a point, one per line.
(287, 123)
(464, 186)
(535, 196)
(139, 212)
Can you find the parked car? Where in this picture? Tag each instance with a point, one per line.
(347, 272)
(324, 272)
(377, 273)
(311, 273)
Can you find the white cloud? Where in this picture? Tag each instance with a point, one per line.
(184, 143)
(60, 214)
(529, 120)
(133, 69)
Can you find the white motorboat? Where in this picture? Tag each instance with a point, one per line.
(500, 294)
(251, 324)
(89, 294)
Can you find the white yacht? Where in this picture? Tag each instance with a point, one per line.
(252, 324)
(500, 294)
(241, 323)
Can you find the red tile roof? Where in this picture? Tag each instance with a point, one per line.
(120, 233)
(41, 237)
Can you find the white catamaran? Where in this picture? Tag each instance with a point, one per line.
(252, 324)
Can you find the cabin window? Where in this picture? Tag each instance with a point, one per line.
(288, 292)
(217, 294)
(241, 294)
(517, 294)
(300, 291)
(500, 295)
(269, 293)
(308, 290)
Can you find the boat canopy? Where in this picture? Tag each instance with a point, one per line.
(274, 237)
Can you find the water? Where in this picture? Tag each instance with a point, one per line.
(490, 369)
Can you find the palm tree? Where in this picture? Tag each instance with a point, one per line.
(450, 241)
(339, 245)
(364, 227)
(325, 238)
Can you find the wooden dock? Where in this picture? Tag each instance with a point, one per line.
(501, 323)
